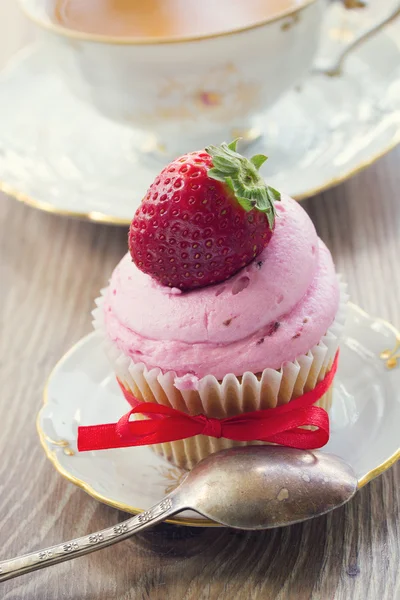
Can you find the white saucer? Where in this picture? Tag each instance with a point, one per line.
(82, 390)
(59, 155)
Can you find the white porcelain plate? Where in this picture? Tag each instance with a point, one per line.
(82, 390)
(59, 155)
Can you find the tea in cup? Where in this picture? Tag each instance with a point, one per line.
(185, 72)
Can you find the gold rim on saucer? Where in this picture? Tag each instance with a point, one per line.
(137, 41)
(99, 217)
(52, 456)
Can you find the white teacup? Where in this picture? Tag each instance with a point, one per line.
(187, 92)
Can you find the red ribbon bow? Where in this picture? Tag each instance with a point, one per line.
(280, 425)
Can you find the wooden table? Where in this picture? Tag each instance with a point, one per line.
(51, 268)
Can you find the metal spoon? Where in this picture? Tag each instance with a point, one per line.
(253, 487)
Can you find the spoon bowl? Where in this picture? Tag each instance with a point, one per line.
(258, 487)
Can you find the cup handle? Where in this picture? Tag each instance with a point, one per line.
(335, 68)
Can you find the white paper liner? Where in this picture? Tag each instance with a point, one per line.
(231, 396)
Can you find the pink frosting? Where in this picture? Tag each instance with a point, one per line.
(273, 310)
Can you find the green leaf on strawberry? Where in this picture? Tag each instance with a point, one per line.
(206, 216)
(242, 177)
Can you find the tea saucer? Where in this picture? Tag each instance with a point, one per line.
(59, 155)
(82, 389)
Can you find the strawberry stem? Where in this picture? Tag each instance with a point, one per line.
(242, 177)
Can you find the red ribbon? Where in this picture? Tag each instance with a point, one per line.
(280, 425)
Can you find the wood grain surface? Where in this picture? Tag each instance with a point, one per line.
(51, 268)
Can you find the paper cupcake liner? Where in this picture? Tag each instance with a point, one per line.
(232, 395)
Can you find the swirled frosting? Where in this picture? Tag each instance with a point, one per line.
(273, 310)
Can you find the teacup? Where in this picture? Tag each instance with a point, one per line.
(186, 92)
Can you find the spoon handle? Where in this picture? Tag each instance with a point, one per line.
(89, 543)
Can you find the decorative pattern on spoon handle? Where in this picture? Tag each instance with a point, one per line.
(88, 543)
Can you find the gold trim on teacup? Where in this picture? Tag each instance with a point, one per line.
(201, 522)
(290, 22)
(49, 25)
(99, 217)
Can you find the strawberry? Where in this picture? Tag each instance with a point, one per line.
(207, 215)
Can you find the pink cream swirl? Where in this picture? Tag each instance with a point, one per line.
(273, 310)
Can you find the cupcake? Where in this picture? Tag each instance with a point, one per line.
(227, 303)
